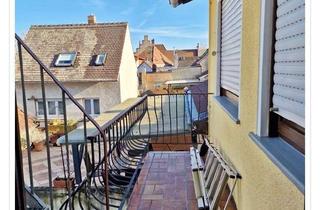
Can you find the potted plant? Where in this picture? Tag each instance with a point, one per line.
(60, 182)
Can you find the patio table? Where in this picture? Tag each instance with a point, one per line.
(76, 138)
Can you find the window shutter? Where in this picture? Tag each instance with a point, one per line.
(231, 16)
(289, 70)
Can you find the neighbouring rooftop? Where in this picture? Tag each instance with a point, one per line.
(86, 40)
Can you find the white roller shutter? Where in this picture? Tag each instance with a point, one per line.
(289, 67)
(231, 16)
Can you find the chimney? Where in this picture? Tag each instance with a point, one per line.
(198, 49)
(92, 19)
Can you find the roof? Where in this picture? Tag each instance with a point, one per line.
(157, 54)
(167, 53)
(186, 53)
(201, 58)
(148, 63)
(160, 59)
(189, 61)
(47, 41)
(139, 57)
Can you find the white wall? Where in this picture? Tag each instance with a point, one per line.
(107, 92)
(128, 71)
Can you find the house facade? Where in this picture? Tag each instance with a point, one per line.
(94, 61)
(256, 116)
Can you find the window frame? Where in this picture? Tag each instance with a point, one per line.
(97, 63)
(270, 124)
(92, 112)
(56, 105)
(225, 98)
(57, 64)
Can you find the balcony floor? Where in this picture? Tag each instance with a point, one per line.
(165, 182)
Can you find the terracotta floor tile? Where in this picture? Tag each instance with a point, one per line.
(166, 183)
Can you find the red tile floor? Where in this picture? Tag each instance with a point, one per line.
(165, 182)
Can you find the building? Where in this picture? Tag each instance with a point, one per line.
(94, 61)
(202, 61)
(162, 69)
(165, 59)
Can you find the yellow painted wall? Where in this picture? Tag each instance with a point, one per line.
(263, 186)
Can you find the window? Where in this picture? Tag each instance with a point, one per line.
(54, 108)
(66, 59)
(92, 106)
(40, 108)
(229, 30)
(288, 96)
(281, 111)
(230, 45)
(100, 59)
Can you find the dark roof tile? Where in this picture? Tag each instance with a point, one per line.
(47, 41)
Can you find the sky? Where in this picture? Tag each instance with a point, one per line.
(178, 28)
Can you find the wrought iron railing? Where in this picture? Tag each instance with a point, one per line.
(47, 76)
(112, 151)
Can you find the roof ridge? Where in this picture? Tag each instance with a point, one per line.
(79, 24)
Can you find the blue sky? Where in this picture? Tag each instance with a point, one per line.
(181, 27)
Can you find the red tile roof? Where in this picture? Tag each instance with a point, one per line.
(159, 58)
(47, 41)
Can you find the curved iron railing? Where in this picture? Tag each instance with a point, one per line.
(124, 160)
(44, 71)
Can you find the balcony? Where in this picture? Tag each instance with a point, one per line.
(135, 154)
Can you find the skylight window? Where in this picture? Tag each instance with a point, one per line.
(66, 59)
(100, 59)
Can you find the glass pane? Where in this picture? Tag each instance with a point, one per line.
(60, 107)
(100, 59)
(65, 62)
(40, 108)
(87, 105)
(52, 108)
(66, 57)
(96, 106)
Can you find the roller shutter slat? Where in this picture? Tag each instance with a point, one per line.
(290, 43)
(290, 56)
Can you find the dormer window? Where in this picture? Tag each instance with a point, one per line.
(65, 59)
(100, 59)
